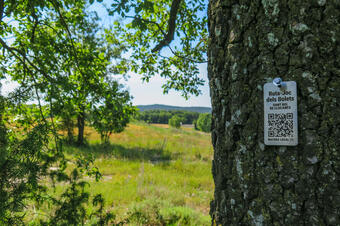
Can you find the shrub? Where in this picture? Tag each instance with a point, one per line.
(175, 121)
(204, 122)
(178, 215)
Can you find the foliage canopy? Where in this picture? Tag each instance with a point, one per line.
(147, 27)
(62, 62)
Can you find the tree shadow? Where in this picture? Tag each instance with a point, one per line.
(155, 155)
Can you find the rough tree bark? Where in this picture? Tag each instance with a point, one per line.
(251, 42)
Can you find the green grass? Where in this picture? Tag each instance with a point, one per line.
(159, 174)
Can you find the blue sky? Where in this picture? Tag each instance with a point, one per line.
(152, 93)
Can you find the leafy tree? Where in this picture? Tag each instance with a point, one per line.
(204, 122)
(175, 121)
(66, 61)
(113, 115)
(87, 81)
(39, 51)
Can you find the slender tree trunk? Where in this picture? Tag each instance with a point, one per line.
(69, 126)
(3, 130)
(70, 138)
(81, 127)
(251, 42)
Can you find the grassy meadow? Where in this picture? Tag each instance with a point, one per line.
(153, 174)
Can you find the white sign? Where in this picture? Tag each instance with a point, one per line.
(280, 114)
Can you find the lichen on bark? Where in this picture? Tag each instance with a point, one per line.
(250, 43)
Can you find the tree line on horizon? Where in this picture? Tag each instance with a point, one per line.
(163, 116)
(201, 121)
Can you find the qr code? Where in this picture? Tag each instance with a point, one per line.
(280, 125)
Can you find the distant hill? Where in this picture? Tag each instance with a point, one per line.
(173, 108)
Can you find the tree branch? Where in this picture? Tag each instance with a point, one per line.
(23, 58)
(55, 4)
(2, 7)
(171, 27)
(186, 58)
(148, 21)
(18, 94)
(36, 22)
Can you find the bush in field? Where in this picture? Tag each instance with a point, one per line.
(175, 121)
(114, 113)
(204, 122)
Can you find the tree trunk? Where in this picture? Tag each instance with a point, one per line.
(70, 138)
(3, 130)
(251, 42)
(68, 124)
(81, 127)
